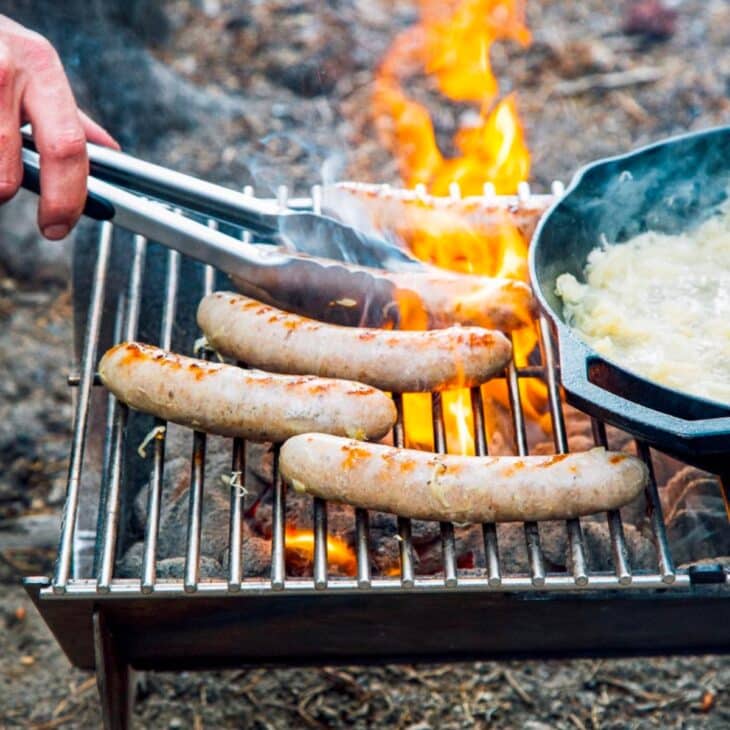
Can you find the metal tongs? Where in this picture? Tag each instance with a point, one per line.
(319, 262)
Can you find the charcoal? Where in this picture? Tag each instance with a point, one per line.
(256, 556)
(130, 566)
(696, 535)
(175, 568)
(175, 504)
(695, 515)
(429, 555)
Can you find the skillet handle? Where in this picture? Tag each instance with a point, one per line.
(631, 414)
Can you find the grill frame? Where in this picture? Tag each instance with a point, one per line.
(113, 623)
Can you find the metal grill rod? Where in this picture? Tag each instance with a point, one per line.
(319, 518)
(111, 434)
(278, 556)
(81, 414)
(447, 528)
(238, 466)
(517, 583)
(489, 530)
(575, 535)
(319, 507)
(111, 504)
(362, 547)
(149, 571)
(404, 525)
(619, 551)
(532, 534)
(656, 517)
(197, 475)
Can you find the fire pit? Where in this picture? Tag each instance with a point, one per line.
(270, 577)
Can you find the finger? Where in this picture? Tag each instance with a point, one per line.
(59, 136)
(96, 133)
(11, 168)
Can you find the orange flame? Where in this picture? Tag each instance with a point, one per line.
(451, 42)
(299, 549)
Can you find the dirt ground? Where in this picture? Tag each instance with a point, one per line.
(581, 97)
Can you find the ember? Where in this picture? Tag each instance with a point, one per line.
(300, 553)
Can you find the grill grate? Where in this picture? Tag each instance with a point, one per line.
(491, 577)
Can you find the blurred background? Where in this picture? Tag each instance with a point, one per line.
(272, 92)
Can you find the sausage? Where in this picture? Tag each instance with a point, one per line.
(343, 293)
(408, 212)
(229, 401)
(402, 361)
(448, 298)
(427, 486)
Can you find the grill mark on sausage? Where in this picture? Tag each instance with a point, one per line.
(354, 453)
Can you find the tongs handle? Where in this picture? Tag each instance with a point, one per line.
(177, 189)
(95, 207)
(156, 222)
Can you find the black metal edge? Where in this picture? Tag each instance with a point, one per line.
(581, 172)
(576, 359)
(668, 433)
(211, 633)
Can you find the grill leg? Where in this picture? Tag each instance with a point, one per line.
(114, 677)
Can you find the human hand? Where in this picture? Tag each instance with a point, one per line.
(34, 88)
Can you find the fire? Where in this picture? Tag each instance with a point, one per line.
(299, 548)
(451, 42)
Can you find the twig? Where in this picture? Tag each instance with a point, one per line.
(85, 686)
(595, 719)
(347, 680)
(631, 688)
(576, 721)
(302, 708)
(251, 698)
(60, 707)
(418, 677)
(517, 687)
(51, 724)
(632, 107)
(614, 80)
(75, 691)
(466, 708)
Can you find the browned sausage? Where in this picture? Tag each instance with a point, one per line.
(408, 212)
(402, 361)
(333, 291)
(428, 486)
(230, 401)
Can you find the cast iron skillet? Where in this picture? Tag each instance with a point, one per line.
(669, 186)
